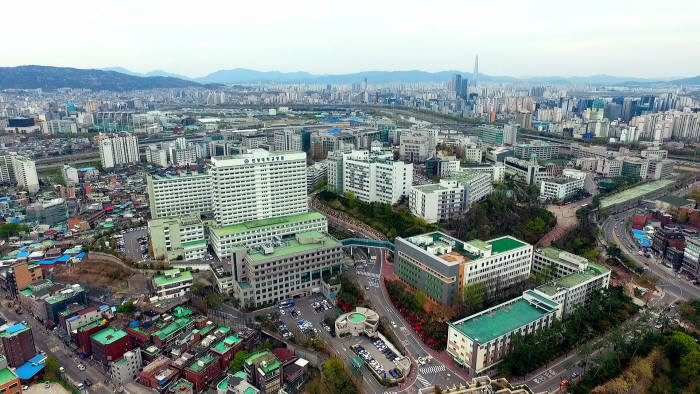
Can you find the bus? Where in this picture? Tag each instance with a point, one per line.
(286, 304)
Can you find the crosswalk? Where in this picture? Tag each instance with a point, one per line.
(368, 274)
(373, 282)
(423, 380)
(431, 369)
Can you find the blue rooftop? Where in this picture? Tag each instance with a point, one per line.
(334, 131)
(61, 259)
(22, 254)
(32, 367)
(17, 327)
(86, 169)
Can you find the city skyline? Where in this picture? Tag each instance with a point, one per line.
(322, 38)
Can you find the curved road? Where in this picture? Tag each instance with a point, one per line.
(614, 230)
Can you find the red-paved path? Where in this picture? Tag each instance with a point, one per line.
(443, 357)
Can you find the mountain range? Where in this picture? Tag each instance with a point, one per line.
(50, 78)
(119, 78)
(244, 75)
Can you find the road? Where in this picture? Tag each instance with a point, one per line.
(46, 341)
(571, 366)
(437, 371)
(615, 230)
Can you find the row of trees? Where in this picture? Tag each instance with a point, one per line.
(653, 362)
(333, 379)
(606, 310)
(431, 327)
(502, 214)
(380, 216)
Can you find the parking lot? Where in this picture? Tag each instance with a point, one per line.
(134, 244)
(307, 315)
(377, 355)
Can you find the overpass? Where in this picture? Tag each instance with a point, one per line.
(367, 243)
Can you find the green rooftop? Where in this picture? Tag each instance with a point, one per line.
(182, 386)
(357, 317)
(256, 224)
(223, 330)
(206, 329)
(181, 311)
(64, 296)
(294, 246)
(90, 325)
(427, 189)
(225, 345)
(635, 192)
(6, 376)
(222, 384)
(271, 362)
(202, 363)
(13, 330)
(194, 243)
(500, 321)
(108, 335)
(575, 279)
(168, 330)
(172, 276)
(504, 244)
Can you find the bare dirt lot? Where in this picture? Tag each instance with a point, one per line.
(103, 274)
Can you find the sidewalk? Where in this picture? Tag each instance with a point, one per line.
(443, 357)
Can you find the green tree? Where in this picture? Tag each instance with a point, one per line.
(238, 359)
(336, 379)
(213, 301)
(419, 299)
(545, 274)
(126, 308)
(472, 298)
(267, 345)
(52, 366)
(679, 345)
(8, 230)
(690, 366)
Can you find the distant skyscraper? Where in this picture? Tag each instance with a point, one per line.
(476, 70)
(456, 85)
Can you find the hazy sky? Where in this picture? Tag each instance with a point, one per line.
(518, 38)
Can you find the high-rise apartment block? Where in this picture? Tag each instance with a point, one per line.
(376, 177)
(179, 194)
(287, 140)
(417, 146)
(25, 173)
(118, 150)
(258, 185)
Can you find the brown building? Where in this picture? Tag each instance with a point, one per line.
(158, 374)
(9, 382)
(26, 274)
(18, 344)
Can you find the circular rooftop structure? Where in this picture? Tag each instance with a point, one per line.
(357, 317)
(360, 321)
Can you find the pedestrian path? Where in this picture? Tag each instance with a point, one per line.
(432, 369)
(423, 380)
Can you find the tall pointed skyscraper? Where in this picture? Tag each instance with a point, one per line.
(476, 70)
